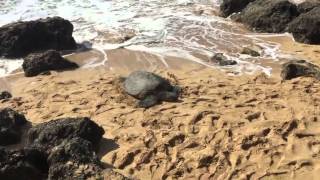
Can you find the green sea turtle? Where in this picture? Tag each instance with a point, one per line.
(150, 88)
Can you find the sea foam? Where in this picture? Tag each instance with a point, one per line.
(177, 28)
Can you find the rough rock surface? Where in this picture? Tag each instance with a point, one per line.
(74, 159)
(270, 16)
(228, 7)
(306, 27)
(21, 38)
(222, 60)
(10, 126)
(24, 164)
(306, 6)
(5, 95)
(50, 134)
(149, 88)
(298, 68)
(38, 63)
(252, 50)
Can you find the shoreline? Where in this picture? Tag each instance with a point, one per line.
(124, 61)
(120, 61)
(305, 51)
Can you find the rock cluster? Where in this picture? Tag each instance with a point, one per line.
(58, 149)
(11, 123)
(38, 42)
(37, 63)
(26, 163)
(252, 50)
(272, 16)
(277, 16)
(306, 27)
(18, 39)
(74, 158)
(5, 95)
(50, 134)
(222, 60)
(298, 68)
(307, 6)
(233, 6)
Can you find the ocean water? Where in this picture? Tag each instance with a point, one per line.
(182, 28)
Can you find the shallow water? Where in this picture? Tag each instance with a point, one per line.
(189, 29)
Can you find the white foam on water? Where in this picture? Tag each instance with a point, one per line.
(164, 28)
(8, 66)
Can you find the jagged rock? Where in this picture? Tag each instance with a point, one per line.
(21, 38)
(228, 7)
(10, 126)
(74, 159)
(251, 50)
(307, 6)
(150, 88)
(50, 134)
(306, 27)
(5, 95)
(25, 164)
(271, 16)
(298, 68)
(222, 60)
(37, 63)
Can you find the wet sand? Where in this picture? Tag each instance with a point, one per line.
(299, 50)
(119, 61)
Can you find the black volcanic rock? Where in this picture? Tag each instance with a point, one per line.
(298, 68)
(228, 7)
(307, 6)
(50, 134)
(74, 159)
(270, 16)
(222, 60)
(5, 95)
(10, 126)
(62, 149)
(252, 50)
(24, 164)
(21, 38)
(306, 27)
(38, 63)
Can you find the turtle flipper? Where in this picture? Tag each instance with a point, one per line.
(148, 101)
(170, 96)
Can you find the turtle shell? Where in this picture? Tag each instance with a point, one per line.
(140, 84)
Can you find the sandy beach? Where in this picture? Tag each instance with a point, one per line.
(230, 122)
(223, 127)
